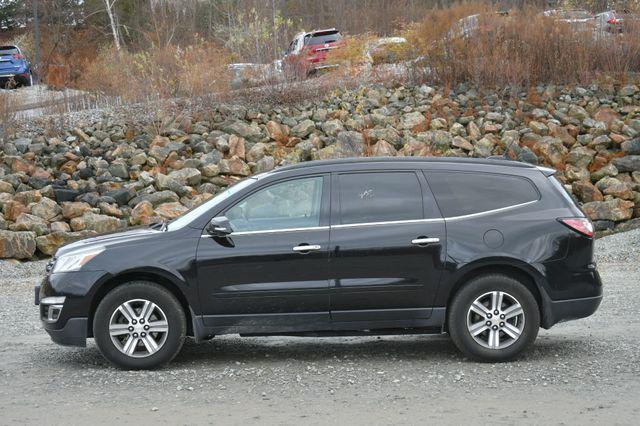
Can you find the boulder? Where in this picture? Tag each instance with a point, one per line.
(278, 132)
(586, 191)
(348, 144)
(630, 163)
(12, 209)
(48, 244)
(95, 222)
(614, 210)
(170, 210)
(142, 214)
(383, 149)
(6, 187)
(265, 164)
(415, 121)
(581, 156)
(332, 127)
(303, 129)
(236, 147)
(29, 222)
(46, 208)
(234, 166)
(249, 132)
(73, 209)
(187, 176)
(614, 187)
(17, 245)
(631, 147)
(552, 150)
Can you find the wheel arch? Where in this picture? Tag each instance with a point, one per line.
(150, 276)
(520, 271)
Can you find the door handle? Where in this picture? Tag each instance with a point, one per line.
(306, 247)
(424, 240)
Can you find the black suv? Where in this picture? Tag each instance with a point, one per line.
(485, 250)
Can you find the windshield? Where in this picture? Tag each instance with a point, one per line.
(191, 215)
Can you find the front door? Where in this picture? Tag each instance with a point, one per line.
(271, 273)
(387, 249)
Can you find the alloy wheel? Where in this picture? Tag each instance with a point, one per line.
(495, 320)
(138, 328)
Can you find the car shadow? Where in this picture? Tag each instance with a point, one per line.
(266, 351)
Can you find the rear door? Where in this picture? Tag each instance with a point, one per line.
(386, 250)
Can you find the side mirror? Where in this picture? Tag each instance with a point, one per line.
(219, 227)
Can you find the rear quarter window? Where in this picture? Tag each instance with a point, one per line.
(464, 193)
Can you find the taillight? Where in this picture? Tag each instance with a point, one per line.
(18, 56)
(581, 225)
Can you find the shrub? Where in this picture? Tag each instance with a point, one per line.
(159, 73)
(8, 106)
(523, 48)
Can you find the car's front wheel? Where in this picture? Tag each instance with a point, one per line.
(139, 325)
(493, 318)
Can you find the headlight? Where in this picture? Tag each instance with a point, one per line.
(75, 261)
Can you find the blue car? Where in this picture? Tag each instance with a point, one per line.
(15, 70)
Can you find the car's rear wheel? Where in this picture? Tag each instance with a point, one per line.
(139, 325)
(493, 318)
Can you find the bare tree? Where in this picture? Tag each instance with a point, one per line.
(112, 22)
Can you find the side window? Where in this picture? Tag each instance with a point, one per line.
(379, 197)
(292, 47)
(461, 193)
(290, 204)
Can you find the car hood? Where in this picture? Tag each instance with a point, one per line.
(108, 240)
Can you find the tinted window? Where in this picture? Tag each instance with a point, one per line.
(290, 204)
(380, 197)
(8, 50)
(460, 193)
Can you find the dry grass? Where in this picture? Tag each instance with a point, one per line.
(8, 106)
(521, 49)
(159, 73)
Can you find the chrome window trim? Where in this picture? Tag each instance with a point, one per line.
(272, 231)
(488, 212)
(391, 222)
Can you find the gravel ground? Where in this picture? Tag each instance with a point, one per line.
(580, 372)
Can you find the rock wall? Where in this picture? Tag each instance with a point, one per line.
(111, 173)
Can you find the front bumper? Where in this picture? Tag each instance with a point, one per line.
(64, 300)
(74, 332)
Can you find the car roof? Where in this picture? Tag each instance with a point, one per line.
(328, 164)
(8, 46)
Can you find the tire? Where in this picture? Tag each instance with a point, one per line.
(516, 325)
(123, 311)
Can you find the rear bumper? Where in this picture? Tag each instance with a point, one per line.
(555, 311)
(21, 78)
(566, 310)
